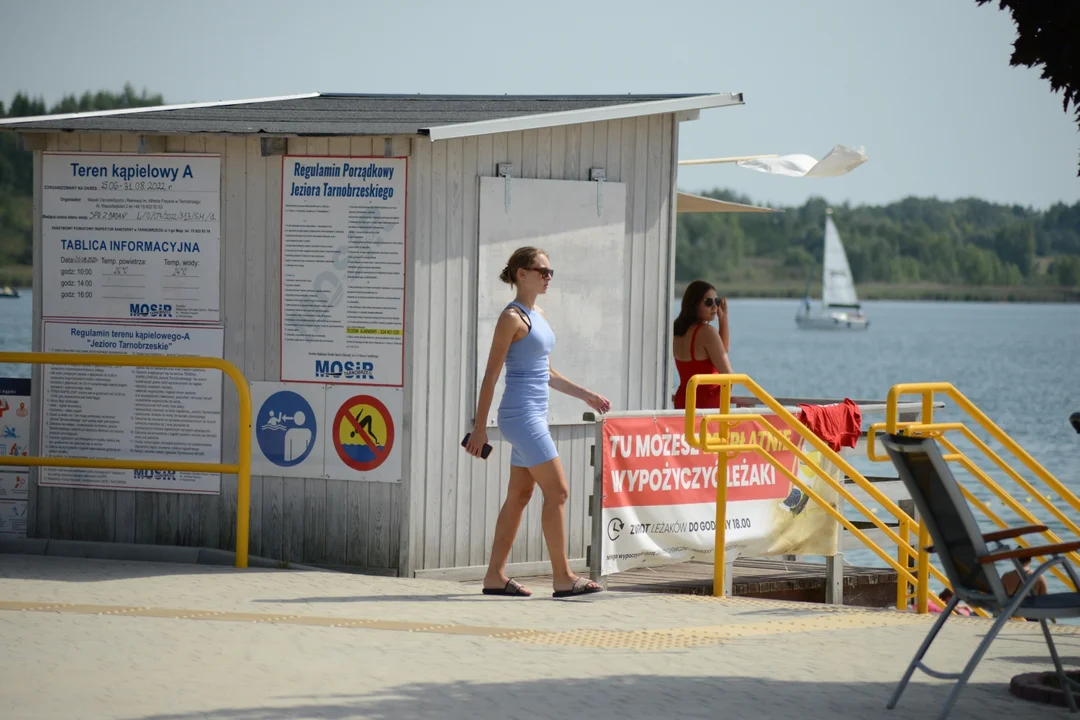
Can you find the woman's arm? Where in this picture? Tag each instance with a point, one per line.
(508, 325)
(725, 334)
(714, 348)
(560, 382)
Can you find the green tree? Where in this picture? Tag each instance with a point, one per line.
(1046, 35)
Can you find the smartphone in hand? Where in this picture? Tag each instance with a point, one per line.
(484, 452)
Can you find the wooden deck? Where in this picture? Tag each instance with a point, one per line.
(769, 578)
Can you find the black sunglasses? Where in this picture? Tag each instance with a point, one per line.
(546, 273)
(709, 302)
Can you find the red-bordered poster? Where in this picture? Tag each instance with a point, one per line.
(659, 497)
(343, 261)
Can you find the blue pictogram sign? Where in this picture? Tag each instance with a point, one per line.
(285, 428)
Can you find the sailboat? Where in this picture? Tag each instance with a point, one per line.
(839, 309)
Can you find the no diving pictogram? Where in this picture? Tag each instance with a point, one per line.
(363, 433)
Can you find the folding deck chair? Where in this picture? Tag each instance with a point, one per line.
(970, 564)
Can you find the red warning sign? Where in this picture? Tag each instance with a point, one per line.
(363, 433)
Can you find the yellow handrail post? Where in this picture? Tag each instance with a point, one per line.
(243, 475)
(719, 533)
(242, 468)
(922, 588)
(902, 588)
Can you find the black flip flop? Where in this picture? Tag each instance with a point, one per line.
(582, 586)
(512, 588)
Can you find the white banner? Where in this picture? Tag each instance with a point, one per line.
(131, 412)
(128, 236)
(659, 497)
(343, 270)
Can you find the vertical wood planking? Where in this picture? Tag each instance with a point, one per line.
(110, 142)
(420, 262)
(477, 159)
(565, 443)
(233, 282)
(38, 499)
(255, 327)
(209, 507)
(572, 163)
(335, 528)
(453, 485)
(586, 151)
(632, 363)
(529, 141)
(614, 153)
(174, 143)
(358, 494)
(463, 248)
(543, 153)
(146, 515)
(315, 489)
(273, 488)
(652, 345)
(435, 412)
(65, 520)
(292, 504)
(98, 507)
(667, 248)
(397, 494)
(558, 153)
(600, 147)
(638, 267)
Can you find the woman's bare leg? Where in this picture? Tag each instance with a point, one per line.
(549, 476)
(518, 493)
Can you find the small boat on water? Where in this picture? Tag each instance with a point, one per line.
(839, 309)
(8, 292)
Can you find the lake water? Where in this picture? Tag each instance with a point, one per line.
(1020, 363)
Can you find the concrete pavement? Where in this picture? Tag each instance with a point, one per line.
(107, 639)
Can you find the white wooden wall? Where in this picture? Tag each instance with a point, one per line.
(443, 514)
(454, 499)
(331, 522)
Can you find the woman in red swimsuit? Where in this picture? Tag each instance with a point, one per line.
(699, 348)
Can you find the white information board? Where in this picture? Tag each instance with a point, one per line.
(582, 225)
(131, 236)
(13, 519)
(343, 270)
(14, 419)
(131, 412)
(326, 431)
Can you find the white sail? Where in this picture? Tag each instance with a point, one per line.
(838, 287)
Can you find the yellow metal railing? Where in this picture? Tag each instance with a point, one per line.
(704, 439)
(241, 468)
(926, 427)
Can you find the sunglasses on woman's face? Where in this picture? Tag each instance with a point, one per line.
(546, 273)
(709, 302)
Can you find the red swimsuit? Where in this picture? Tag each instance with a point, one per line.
(708, 396)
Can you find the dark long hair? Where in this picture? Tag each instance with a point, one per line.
(688, 314)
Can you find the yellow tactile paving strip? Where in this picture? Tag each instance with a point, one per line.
(811, 620)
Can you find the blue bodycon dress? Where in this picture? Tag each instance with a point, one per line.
(522, 417)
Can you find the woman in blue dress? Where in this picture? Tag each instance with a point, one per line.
(523, 341)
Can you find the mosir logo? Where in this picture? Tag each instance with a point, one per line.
(150, 310)
(154, 474)
(347, 369)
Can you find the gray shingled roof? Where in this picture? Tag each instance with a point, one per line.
(331, 114)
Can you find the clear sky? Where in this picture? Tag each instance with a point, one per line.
(924, 85)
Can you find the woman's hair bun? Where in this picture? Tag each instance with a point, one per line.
(505, 276)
